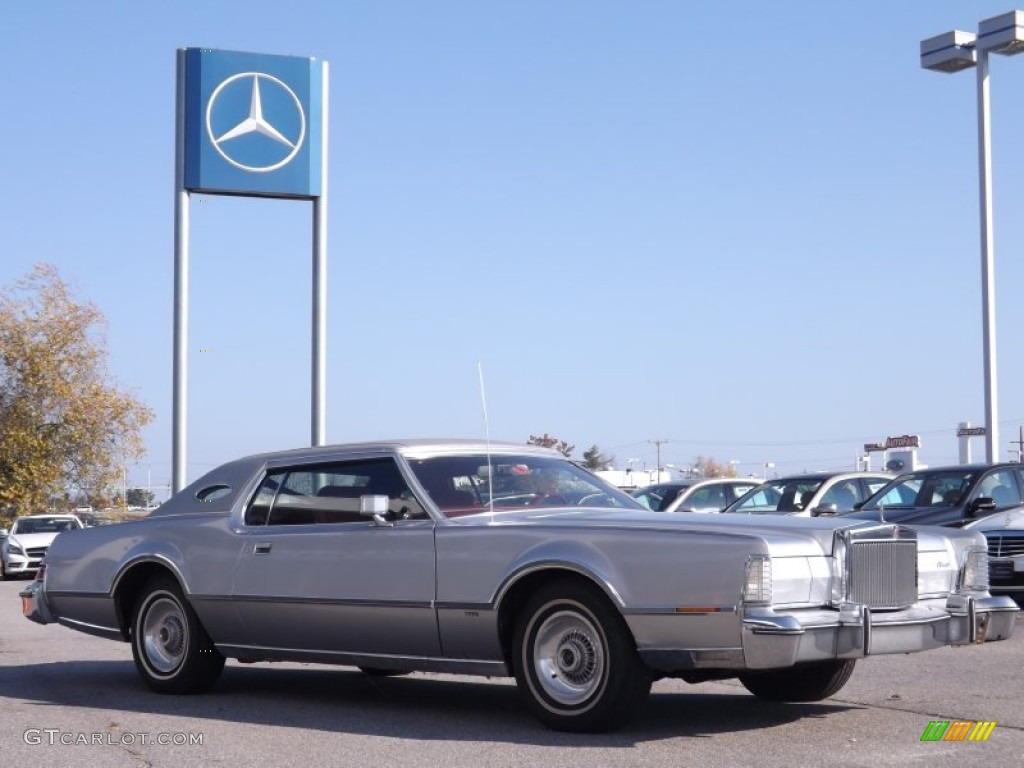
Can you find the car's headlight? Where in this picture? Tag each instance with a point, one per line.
(15, 548)
(974, 570)
(838, 561)
(757, 582)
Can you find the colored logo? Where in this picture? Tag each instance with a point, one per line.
(958, 730)
(239, 129)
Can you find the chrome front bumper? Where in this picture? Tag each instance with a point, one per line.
(775, 640)
(33, 603)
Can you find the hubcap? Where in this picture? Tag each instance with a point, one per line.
(568, 657)
(164, 635)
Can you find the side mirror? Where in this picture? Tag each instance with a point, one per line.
(981, 504)
(375, 507)
(824, 509)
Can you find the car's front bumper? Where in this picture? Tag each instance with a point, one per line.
(17, 565)
(778, 639)
(854, 631)
(33, 603)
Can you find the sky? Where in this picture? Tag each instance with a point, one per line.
(746, 230)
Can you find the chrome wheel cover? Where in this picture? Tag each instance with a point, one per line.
(569, 657)
(164, 635)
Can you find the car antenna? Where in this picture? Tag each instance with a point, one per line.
(487, 439)
(881, 513)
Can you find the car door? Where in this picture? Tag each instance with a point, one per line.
(1001, 486)
(315, 575)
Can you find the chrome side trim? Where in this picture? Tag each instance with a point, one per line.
(150, 558)
(480, 667)
(91, 629)
(563, 565)
(293, 600)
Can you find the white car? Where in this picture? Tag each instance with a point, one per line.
(711, 495)
(1005, 534)
(23, 549)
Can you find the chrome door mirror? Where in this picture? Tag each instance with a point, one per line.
(375, 507)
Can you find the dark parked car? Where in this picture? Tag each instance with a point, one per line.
(950, 496)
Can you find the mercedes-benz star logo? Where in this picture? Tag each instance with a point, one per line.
(258, 155)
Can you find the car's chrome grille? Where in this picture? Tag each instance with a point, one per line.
(1005, 544)
(35, 551)
(883, 573)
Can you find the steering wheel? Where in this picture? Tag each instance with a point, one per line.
(599, 495)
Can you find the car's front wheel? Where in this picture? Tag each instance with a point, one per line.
(575, 660)
(172, 651)
(808, 682)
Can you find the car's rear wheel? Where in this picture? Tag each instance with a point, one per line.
(808, 682)
(575, 660)
(172, 651)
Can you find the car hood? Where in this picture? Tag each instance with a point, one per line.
(817, 532)
(1013, 520)
(909, 515)
(32, 540)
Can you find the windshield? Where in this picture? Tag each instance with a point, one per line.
(923, 489)
(468, 485)
(778, 497)
(44, 525)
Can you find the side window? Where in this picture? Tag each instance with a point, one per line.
(844, 495)
(329, 493)
(259, 507)
(1001, 486)
(711, 497)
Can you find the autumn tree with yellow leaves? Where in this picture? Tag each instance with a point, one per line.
(66, 428)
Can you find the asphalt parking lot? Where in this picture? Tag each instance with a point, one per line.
(68, 699)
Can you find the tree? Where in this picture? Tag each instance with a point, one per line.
(138, 497)
(65, 427)
(708, 467)
(548, 441)
(594, 459)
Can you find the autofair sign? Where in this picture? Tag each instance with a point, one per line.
(900, 441)
(970, 431)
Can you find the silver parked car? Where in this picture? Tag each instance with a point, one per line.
(710, 495)
(810, 495)
(506, 560)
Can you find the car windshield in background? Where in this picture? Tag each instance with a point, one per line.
(658, 497)
(44, 525)
(924, 489)
(467, 485)
(777, 498)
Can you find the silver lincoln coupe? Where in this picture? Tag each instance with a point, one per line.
(506, 560)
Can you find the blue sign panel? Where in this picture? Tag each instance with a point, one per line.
(253, 124)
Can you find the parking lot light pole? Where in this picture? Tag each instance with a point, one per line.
(953, 52)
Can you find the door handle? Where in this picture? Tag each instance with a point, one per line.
(261, 548)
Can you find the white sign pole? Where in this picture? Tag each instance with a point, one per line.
(181, 211)
(318, 373)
